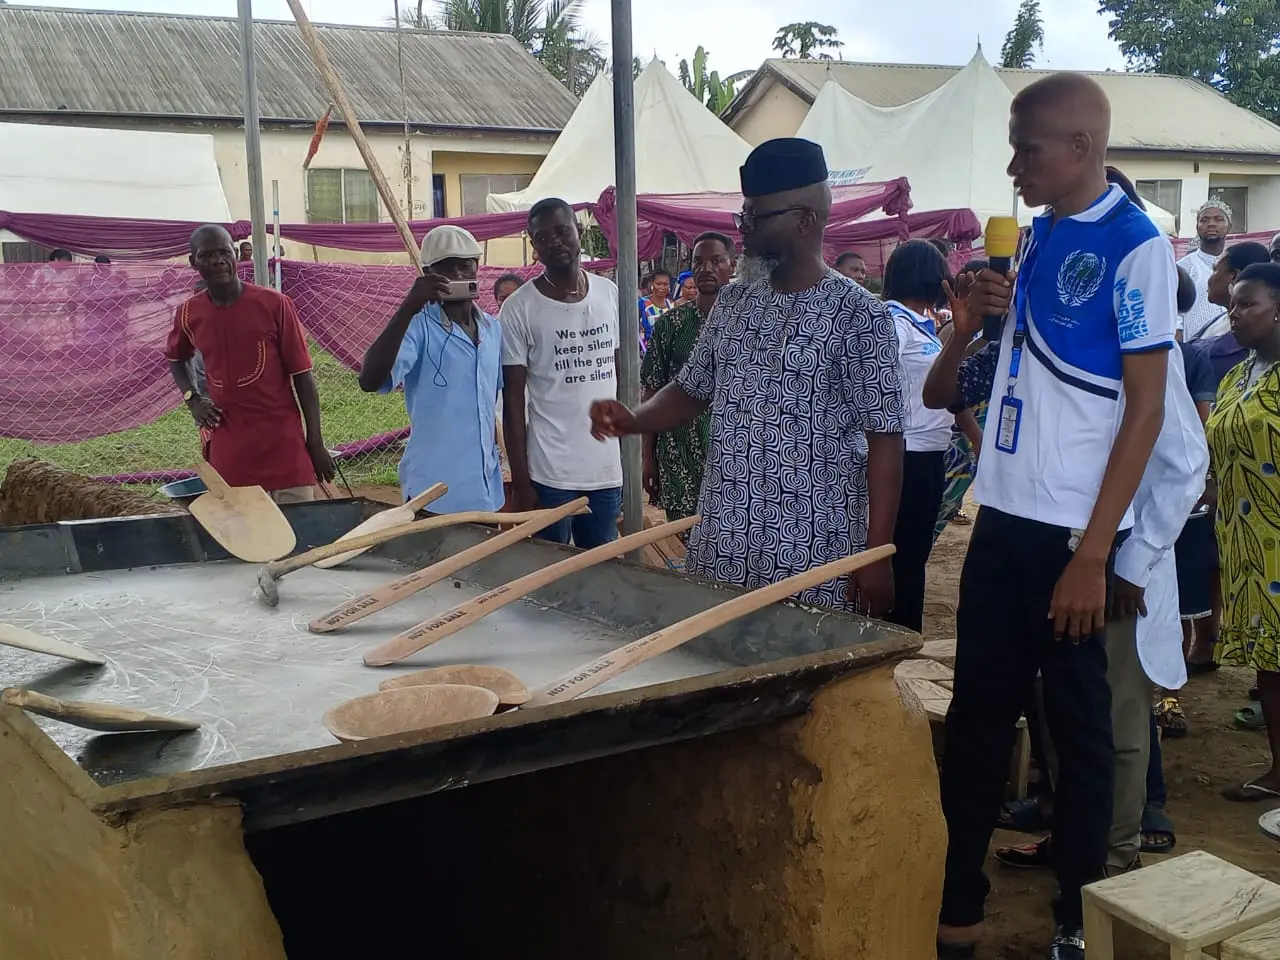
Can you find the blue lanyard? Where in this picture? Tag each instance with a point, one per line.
(1020, 319)
(1015, 354)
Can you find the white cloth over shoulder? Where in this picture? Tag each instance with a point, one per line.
(1170, 487)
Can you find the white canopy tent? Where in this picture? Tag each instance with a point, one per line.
(681, 147)
(952, 144)
(96, 172)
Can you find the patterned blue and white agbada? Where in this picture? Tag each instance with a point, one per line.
(795, 381)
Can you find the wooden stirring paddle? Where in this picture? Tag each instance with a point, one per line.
(437, 628)
(23, 639)
(106, 717)
(273, 571)
(406, 586)
(591, 675)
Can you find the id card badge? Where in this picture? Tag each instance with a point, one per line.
(1009, 425)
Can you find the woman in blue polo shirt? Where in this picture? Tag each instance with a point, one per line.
(446, 353)
(913, 286)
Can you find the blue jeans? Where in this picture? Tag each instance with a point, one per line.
(588, 529)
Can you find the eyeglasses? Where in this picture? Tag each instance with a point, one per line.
(748, 219)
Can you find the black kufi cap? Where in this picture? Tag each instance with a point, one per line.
(780, 165)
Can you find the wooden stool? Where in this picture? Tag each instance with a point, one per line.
(930, 680)
(1260, 943)
(1189, 902)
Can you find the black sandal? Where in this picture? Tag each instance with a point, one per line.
(1024, 816)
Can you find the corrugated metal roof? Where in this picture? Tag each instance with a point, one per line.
(1149, 111)
(132, 64)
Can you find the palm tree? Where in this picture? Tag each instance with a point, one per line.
(549, 29)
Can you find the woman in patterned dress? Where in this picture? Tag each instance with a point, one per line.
(961, 459)
(1244, 443)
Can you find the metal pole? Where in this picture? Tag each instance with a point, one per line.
(624, 153)
(253, 144)
(275, 224)
(406, 163)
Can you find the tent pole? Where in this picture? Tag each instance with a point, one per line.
(624, 152)
(275, 228)
(253, 144)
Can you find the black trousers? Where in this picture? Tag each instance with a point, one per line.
(923, 480)
(1003, 637)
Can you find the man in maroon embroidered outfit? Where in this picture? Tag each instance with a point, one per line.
(258, 373)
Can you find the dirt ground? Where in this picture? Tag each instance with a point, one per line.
(1212, 755)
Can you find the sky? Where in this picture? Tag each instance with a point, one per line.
(737, 33)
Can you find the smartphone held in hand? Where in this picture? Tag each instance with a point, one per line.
(462, 290)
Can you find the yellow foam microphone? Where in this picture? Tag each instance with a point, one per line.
(1002, 246)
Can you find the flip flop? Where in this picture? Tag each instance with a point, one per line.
(1250, 792)
(1156, 821)
(1028, 856)
(1269, 823)
(1250, 717)
(1024, 816)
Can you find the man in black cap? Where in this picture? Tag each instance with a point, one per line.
(799, 367)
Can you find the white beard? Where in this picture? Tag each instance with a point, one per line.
(754, 269)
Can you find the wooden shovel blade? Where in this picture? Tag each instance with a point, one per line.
(382, 521)
(246, 523)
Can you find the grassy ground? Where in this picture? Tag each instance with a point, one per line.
(171, 442)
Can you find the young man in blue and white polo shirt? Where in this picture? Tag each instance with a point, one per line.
(1076, 406)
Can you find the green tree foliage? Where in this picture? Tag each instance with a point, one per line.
(806, 41)
(549, 29)
(1025, 37)
(1233, 45)
(707, 86)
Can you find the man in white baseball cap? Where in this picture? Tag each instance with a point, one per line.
(446, 353)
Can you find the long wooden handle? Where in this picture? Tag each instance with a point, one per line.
(397, 590)
(429, 495)
(93, 716)
(431, 631)
(212, 479)
(339, 96)
(434, 630)
(598, 671)
(24, 639)
(279, 568)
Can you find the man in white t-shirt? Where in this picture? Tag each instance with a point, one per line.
(559, 352)
(1206, 319)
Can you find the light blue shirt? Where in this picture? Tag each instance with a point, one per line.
(451, 392)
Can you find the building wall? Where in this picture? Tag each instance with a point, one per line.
(777, 112)
(508, 251)
(284, 150)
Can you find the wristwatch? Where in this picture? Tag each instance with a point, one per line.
(188, 395)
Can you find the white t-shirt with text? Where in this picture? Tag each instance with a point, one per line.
(568, 352)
